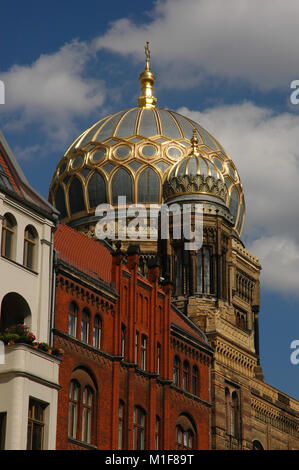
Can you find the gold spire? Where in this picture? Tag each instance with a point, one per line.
(194, 145)
(147, 80)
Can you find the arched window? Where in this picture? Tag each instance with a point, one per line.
(143, 351)
(232, 412)
(195, 380)
(158, 434)
(136, 346)
(176, 371)
(184, 439)
(235, 415)
(14, 310)
(30, 247)
(73, 313)
(121, 411)
(122, 186)
(85, 325)
(87, 405)
(185, 433)
(186, 371)
(76, 198)
(96, 190)
(123, 341)
(227, 410)
(139, 429)
(73, 408)
(8, 242)
(179, 273)
(158, 358)
(256, 445)
(148, 186)
(203, 271)
(97, 332)
(82, 393)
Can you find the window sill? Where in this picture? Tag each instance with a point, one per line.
(19, 265)
(82, 444)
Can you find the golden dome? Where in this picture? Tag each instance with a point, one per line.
(130, 153)
(201, 178)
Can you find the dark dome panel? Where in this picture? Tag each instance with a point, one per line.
(169, 126)
(76, 197)
(96, 190)
(149, 186)
(148, 123)
(126, 127)
(122, 185)
(60, 202)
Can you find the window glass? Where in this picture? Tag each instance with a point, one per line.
(36, 425)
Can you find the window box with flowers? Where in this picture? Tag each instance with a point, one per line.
(22, 334)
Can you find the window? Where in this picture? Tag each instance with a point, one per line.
(73, 312)
(14, 310)
(73, 409)
(185, 439)
(123, 340)
(136, 346)
(121, 410)
(203, 271)
(232, 412)
(158, 433)
(82, 393)
(179, 273)
(235, 415)
(97, 332)
(85, 325)
(241, 320)
(30, 247)
(143, 352)
(158, 358)
(256, 445)
(3, 417)
(87, 414)
(139, 428)
(8, 236)
(36, 425)
(186, 375)
(176, 371)
(195, 380)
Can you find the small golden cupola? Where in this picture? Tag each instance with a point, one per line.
(197, 178)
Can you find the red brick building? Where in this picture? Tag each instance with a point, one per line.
(135, 372)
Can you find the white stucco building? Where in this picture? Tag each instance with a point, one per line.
(28, 376)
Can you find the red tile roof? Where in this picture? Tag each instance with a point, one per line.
(89, 256)
(8, 174)
(185, 324)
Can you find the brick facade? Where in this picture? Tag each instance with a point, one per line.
(124, 369)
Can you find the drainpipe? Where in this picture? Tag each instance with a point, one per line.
(52, 283)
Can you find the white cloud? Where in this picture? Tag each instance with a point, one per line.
(265, 147)
(234, 39)
(52, 91)
(280, 261)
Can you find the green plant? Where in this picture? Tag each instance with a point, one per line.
(10, 337)
(57, 352)
(43, 347)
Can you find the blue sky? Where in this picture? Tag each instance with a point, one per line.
(67, 64)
